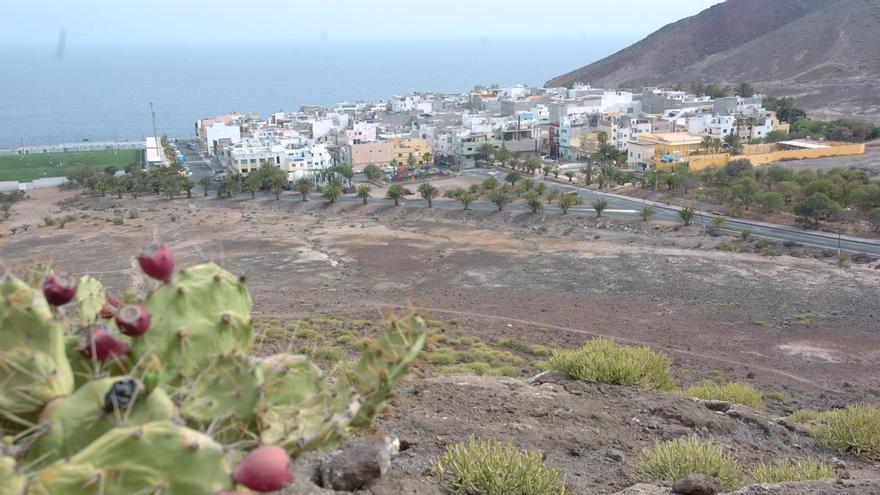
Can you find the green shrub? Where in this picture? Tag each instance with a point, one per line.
(603, 361)
(491, 468)
(514, 344)
(440, 356)
(306, 333)
(787, 471)
(678, 458)
(539, 350)
(777, 396)
(118, 221)
(329, 354)
(738, 393)
(478, 368)
(854, 430)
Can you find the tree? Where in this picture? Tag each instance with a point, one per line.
(396, 192)
(276, 179)
(253, 183)
(303, 186)
(733, 143)
(503, 155)
(874, 219)
(789, 190)
(534, 203)
(428, 192)
(170, 185)
(363, 192)
(555, 172)
(110, 170)
(489, 183)
(588, 171)
(687, 215)
(570, 174)
(346, 171)
(708, 143)
(600, 205)
(332, 191)
(499, 198)
(428, 159)
(411, 161)
(546, 169)
(205, 182)
(373, 172)
(533, 164)
(461, 195)
(188, 185)
(646, 212)
(770, 201)
(485, 152)
(512, 178)
(816, 207)
(568, 200)
(552, 194)
(744, 191)
(540, 188)
(744, 90)
(785, 109)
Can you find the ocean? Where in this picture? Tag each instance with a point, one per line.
(103, 93)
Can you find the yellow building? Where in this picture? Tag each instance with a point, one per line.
(403, 148)
(673, 144)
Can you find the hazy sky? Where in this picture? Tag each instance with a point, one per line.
(173, 21)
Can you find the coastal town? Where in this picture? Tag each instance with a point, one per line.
(409, 135)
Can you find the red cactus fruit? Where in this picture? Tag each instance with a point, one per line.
(59, 288)
(157, 262)
(104, 344)
(133, 320)
(265, 469)
(109, 308)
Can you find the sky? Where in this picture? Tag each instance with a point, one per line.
(113, 22)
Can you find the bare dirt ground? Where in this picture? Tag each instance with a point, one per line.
(869, 162)
(799, 325)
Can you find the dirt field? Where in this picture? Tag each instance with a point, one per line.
(798, 325)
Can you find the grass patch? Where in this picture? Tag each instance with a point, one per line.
(603, 361)
(854, 430)
(306, 333)
(678, 458)
(777, 396)
(38, 165)
(539, 350)
(514, 344)
(787, 471)
(479, 368)
(492, 468)
(736, 392)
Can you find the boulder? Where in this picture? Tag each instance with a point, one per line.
(357, 463)
(697, 484)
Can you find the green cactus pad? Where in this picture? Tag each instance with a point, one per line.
(300, 410)
(384, 362)
(11, 482)
(158, 457)
(229, 388)
(90, 298)
(33, 365)
(76, 421)
(204, 313)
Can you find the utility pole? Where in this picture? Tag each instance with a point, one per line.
(156, 134)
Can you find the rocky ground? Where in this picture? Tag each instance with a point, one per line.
(787, 320)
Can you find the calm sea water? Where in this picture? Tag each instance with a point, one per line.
(103, 93)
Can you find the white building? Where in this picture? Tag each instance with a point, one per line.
(154, 155)
(301, 162)
(360, 133)
(720, 126)
(220, 130)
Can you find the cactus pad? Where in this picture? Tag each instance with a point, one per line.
(11, 481)
(90, 298)
(204, 313)
(76, 421)
(229, 388)
(33, 365)
(158, 457)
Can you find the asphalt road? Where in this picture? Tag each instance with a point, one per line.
(620, 205)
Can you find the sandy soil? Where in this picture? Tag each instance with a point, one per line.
(800, 325)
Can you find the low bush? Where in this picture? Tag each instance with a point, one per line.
(854, 430)
(491, 468)
(603, 361)
(681, 457)
(516, 345)
(788, 471)
(738, 393)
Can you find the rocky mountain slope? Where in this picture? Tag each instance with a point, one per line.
(824, 52)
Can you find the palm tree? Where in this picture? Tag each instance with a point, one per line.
(566, 201)
(332, 191)
(428, 159)
(686, 214)
(533, 164)
(485, 152)
(428, 193)
(744, 89)
(546, 169)
(552, 194)
(540, 188)
(396, 192)
(646, 212)
(588, 170)
(708, 143)
(187, 184)
(600, 205)
(363, 192)
(303, 186)
(253, 183)
(411, 161)
(570, 174)
(512, 178)
(555, 172)
(205, 182)
(534, 203)
(499, 198)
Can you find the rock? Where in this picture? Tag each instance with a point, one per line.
(645, 489)
(697, 484)
(357, 463)
(716, 405)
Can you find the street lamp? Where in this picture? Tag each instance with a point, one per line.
(840, 227)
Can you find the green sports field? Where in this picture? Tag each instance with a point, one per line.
(39, 165)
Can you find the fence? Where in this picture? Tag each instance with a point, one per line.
(14, 185)
(765, 154)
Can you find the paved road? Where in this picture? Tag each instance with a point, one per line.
(670, 213)
(196, 162)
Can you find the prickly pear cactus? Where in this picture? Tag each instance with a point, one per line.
(33, 365)
(11, 481)
(301, 410)
(229, 388)
(74, 422)
(90, 298)
(383, 363)
(158, 457)
(204, 313)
